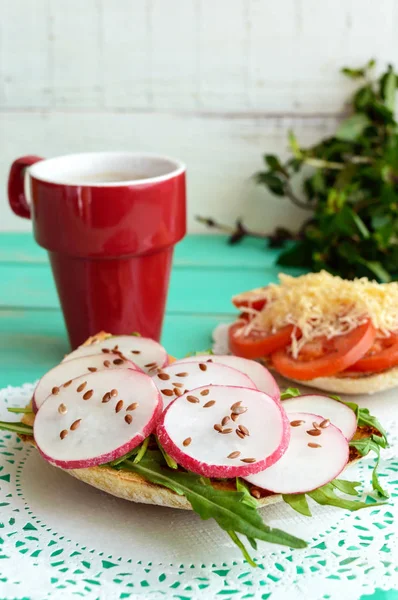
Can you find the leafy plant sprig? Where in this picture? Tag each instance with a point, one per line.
(351, 191)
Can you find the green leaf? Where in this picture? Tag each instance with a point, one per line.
(389, 87)
(242, 548)
(375, 267)
(353, 127)
(17, 428)
(170, 462)
(347, 487)
(364, 446)
(247, 497)
(141, 453)
(294, 145)
(274, 163)
(290, 392)
(298, 502)
(118, 461)
(226, 507)
(353, 73)
(273, 182)
(326, 496)
(25, 411)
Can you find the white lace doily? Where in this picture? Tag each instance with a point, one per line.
(60, 538)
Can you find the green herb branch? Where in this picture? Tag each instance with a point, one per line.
(351, 191)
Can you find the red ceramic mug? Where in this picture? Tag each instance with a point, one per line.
(109, 222)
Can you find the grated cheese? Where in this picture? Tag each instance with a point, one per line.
(320, 304)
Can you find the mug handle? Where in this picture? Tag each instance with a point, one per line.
(16, 185)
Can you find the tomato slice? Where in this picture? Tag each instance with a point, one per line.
(254, 299)
(257, 343)
(322, 357)
(382, 355)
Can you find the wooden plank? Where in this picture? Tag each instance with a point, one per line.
(199, 290)
(77, 50)
(33, 341)
(221, 155)
(25, 62)
(193, 251)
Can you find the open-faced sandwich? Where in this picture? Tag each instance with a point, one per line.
(333, 334)
(208, 433)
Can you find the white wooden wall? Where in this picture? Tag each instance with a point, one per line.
(214, 82)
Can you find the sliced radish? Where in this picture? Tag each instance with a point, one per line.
(260, 376)
(317, 453)
(146, 353)
(224, 431)
(338, 413)
(97, 418)
(53, 381)
(181, 377)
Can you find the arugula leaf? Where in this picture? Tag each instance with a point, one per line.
(350, 129)
(298, 502)
(208, 352)
(247, 497)
(19, 428)
(364, 418)
(227, 507)
(364, 446)
(290, 392)
(347, 487)
(170, 462)
(25, 411)
(326, 496)
(142, 450)
(117, 461)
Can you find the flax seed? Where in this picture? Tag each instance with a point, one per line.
(107, 363)
(315, 425)
(105, 350)
(88, 395)
(152, 364)
(136, 351)
(128, 419)
(67, 383)
(218, 427)
(296, 423)
(248, 460)
(106, 397)
(132, 406)
(187, 441)
(209, 404)
(202, 367)
(225, 421)
(118, 361)
(178, 392)
(62, 409)
(244, 430)
(234, 417)
(63, 434)
(182, 374)
(167, 392)
(192, 399)
(234, 454)
(255, 493)
(177, 384)
(55, 391)
(205, 392)
(81, 386)
(314, 432)
(119, 406)
(229, 430)
(236, 405)
(325, 423)
(240, 434)
(75, 424)
(311, 445)
(114, 393)
(240, 410)
(92, 369)
(163, 376)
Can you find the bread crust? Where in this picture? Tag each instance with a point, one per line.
(362, 384)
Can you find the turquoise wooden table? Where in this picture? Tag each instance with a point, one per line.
(206, 273)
